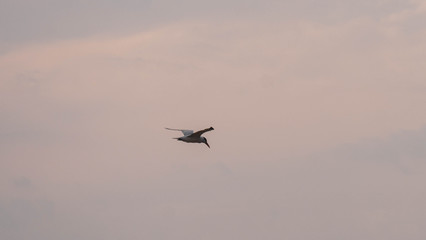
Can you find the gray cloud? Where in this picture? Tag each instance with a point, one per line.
(22, 182)
(43, 20)
(404, 150)
(24, 21)
(24, 218)
(282, 82)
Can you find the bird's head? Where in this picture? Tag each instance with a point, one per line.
(205, 141)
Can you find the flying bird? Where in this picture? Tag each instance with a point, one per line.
(190, 136)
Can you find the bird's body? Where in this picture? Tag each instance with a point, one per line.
(190, 137)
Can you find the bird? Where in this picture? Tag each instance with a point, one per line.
(190, 136)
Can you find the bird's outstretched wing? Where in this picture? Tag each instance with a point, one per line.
(185, 132)
(198, 134)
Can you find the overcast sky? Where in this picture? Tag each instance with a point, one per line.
(318, 109)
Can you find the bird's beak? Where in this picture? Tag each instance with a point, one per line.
(207, 144)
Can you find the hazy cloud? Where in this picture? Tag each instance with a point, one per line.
(404, 151)
(39, 21)
(22, 182)
(23, 219)
(317, 110)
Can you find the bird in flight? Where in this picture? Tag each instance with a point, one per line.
(190, 136)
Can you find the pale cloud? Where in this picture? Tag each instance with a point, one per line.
(22, 182)
(404, 151)
(355, 67)
(44, 21)
(292, 100)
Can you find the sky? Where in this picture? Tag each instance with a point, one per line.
(318, 110)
